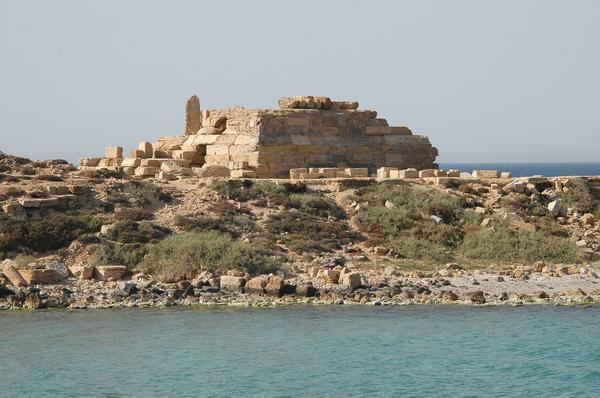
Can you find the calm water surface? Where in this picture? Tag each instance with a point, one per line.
(530, 169)
(302, 352)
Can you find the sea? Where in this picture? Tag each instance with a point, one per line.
(531, 169)
(302, 351)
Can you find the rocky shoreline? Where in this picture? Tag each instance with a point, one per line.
(539, 284)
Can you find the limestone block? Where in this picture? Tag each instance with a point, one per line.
(40, 276)
(238, 164)
(440, 173)
(217, 149)
(351, 280)
(408, 173)
(82, 271)
(49, 202)
(328, 172)
(400, 130)
(11, 273)
(138, 153)
(146, 171)
(243, 173)
(113, 152)
(330, 276)
(193, 116)
(151, 162)
(180, 154)
(295, 174)
(384, 172)
(146, 147)
(556, 209)
(344, 105)
(427, 173)
(211, 171)
(506, 174)
(159, 153)
(89, 161)
(57, 189)
(225, 140)
(485, 173)
(275, 286)
(453, 173)
(77, 189)
(256, 285)
(232, 283)
(378, 130)
(357, 172)
(129, 171)
(131, 162)
(165, 176)
(109, 272)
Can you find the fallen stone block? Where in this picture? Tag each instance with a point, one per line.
(295, 174)
(506, 174)
(29, 203)
(57, 189)
(232, 283)
(145, 171)
(82, 271)
(330, 276)
(351, 280)
(40, 276)
(11, 273)
(357, 172)
(275, 286)
(211, 171)
(109, 272)
(556, 209)
(77, 189)
(138, 154)
(146, 147)
(485, 173)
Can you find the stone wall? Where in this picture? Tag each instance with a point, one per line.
(305, 132)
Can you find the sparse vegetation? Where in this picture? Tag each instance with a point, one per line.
(134, 232)
(53, 231)
(109, 253)
(183, 256)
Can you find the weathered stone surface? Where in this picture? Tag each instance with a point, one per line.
(351, 280)
(556, 208)
(232, 283)
(256, 285)
(113, 152)
(193, 116)
(82, 271)
(40, 276)
(212, 171)
(109, 272)
(330, 276)
(485, 173)
(11, 273)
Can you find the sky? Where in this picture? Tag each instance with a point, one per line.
(497, 81)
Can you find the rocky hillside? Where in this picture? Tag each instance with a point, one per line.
(58, 223)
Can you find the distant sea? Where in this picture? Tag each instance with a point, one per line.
(302, 351)
(529, 169)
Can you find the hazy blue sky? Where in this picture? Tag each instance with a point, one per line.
(485, 80)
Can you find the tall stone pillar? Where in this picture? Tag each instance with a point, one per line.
(193, 117)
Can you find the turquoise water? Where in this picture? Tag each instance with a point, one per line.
(529, 169)
(302, 352)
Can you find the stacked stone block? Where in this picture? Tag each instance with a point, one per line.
(306, 132)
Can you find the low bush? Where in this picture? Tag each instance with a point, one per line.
(109, 253)
(504, 244)
(51, 232)
(137, 193)
(185, 255)
(304, 232)
(134, 232)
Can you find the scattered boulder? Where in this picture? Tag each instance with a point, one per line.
(11, 273)
(556, 208)
(351, 280)
(109, 272)
(330, 276)
(41, 276)
(232, 283)
(476, 297)
(82, 271)
(306, 290)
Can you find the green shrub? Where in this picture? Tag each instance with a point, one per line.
(183, 256)
(110, 253)
(134, 232)
(504, 244)
(51, 232)
(137, 193)
(523, 205)
(427, 241)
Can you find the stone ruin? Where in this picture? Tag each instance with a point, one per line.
(315, 136)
